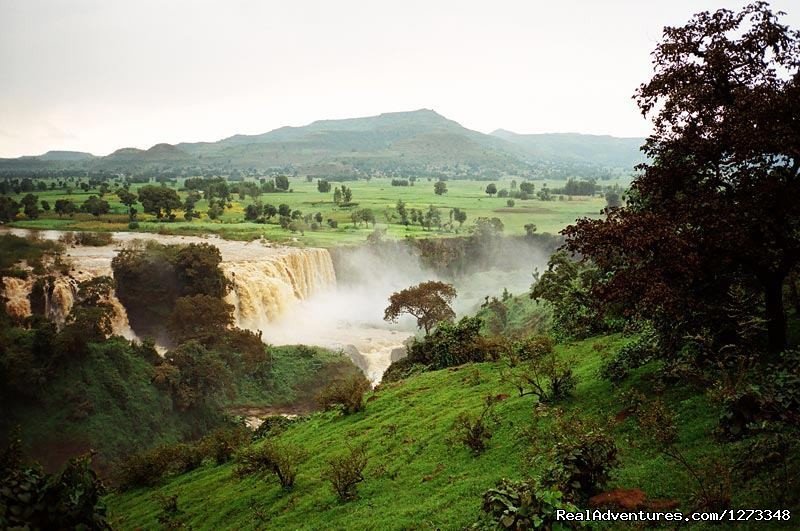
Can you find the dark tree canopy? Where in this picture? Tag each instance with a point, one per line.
(718, 205)
(159, 200)
(429, 302)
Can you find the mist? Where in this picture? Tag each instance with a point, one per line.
(349, 315)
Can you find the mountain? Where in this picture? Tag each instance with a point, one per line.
(420, 142)
(601, 150)
(66, 156)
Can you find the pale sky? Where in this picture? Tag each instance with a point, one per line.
(97, 75)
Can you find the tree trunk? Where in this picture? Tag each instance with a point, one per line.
(795, 295)
(776, 317)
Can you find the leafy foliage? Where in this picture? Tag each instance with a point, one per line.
(271, 457)
(568, 285)
(429, 302)
(578, 459)
(346, 471)
(476, 431)
(346, 394)
(29, 498)
(717, 207)
(518, 505)
(541, 373)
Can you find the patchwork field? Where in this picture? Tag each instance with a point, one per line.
(377, 194)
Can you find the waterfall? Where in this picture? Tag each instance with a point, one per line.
(59, 298)
(263, 289)
(16, 291)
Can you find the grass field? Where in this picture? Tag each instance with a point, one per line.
(415, 479)
(377, 194)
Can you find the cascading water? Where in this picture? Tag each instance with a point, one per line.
(16, 291)
(262, 290)
(288, 294)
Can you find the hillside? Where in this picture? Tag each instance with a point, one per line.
(577, 148)
(420, 142)
(415, 478)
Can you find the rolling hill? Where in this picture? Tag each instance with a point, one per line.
(400, 143)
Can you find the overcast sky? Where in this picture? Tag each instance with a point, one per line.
(96, 75)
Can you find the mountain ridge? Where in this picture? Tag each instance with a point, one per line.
(420, 141)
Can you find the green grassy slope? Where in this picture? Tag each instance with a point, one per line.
(106, 401)
(415, 479)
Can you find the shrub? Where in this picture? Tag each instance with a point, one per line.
(450, 344)
(401, 369)
(31, 499)
(223, 443)
(347, 394)
(579, 460)
(631, 356)
(546, 377)
(133, 225)
(476, 431)
(272, 426)
(93, 239)
(346, 471)
(271, 457)
(170, 516)
(658, 426)
(143, 469)
(521, 505)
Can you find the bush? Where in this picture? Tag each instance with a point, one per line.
(143, 469)
(631, 356)
(449, 345)
(133, 225)
(223, 443)
(546, 377)
(272, 426)
(401, 369)
(271, 457)
(93, 239)
(31, 499)
(346, 471)
(520, 505)
(579, 460)
(475, 431)
(347, 394)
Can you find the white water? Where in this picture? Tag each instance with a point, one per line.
(288, 294)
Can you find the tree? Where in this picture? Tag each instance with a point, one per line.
(440, 187)
(323, 186)
(429, 302)
(253, 211)
(198, 272)
(270, 210)
(718, 206)
(613, 199)
(30, 206)
(282, 182)
(284, 210)
(347, 195)
(460, 216)
(95, 206)
(402, 211)
(199, 317)
(200, 378)
(159, 201)
(128, 198)
(491, 189)
(337, 196)
(189, 204)
(65, 206)
(45, 205)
